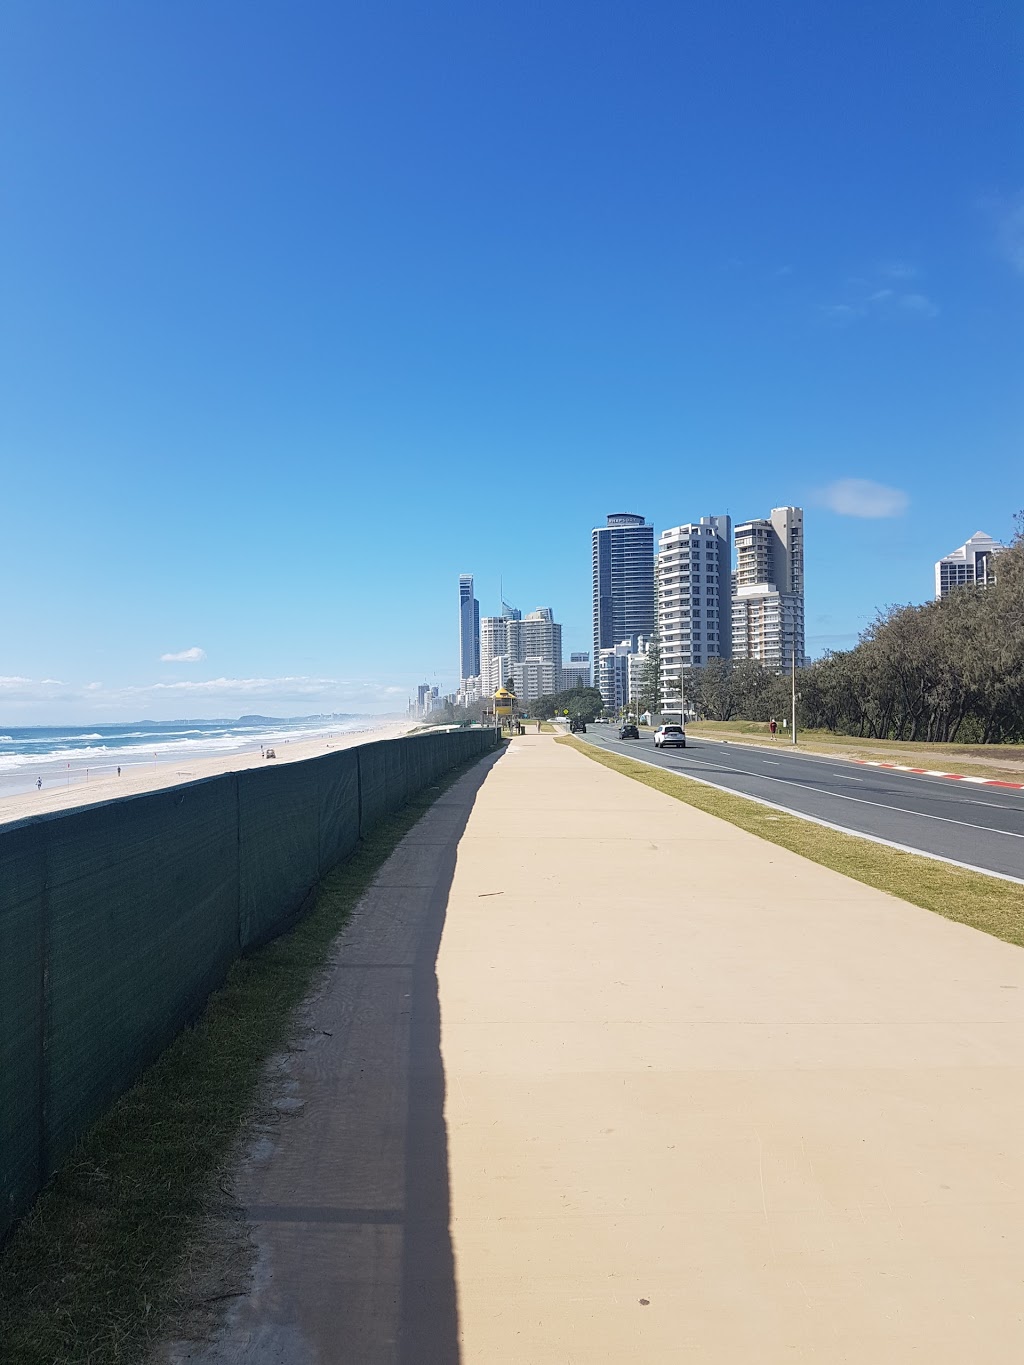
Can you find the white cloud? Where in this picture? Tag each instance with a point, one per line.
(920, 304)
(863, 498)
(194, 655)
(898, 270)
(212, 687)
(876, 295)
(1009, 215)
(294, 694)
(844, 312)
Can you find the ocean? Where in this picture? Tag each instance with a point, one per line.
(59, 754)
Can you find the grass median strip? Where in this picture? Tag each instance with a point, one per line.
(88, 1276)
(986, 903)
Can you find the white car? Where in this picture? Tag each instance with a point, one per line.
(670, 736)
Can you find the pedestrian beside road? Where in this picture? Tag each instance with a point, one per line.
(772, 726)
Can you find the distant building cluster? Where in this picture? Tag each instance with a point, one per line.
(707, 590)
(427, 700)
(689, 595)
(523, 653)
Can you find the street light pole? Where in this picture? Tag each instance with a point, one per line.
(793, 689)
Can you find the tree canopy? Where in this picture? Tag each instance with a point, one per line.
(580, 703)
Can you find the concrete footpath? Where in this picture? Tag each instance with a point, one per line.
(676, 1095)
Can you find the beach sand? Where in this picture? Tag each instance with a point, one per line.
(155, 776)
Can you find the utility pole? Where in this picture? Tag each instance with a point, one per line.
(793, 689)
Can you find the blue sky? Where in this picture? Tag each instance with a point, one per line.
(305, 310)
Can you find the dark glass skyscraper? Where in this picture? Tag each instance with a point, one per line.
(469, 629)
(624, 603)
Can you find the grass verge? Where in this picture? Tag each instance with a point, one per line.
(986, 903)
(87, 1277)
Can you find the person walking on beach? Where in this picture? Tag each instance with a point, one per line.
(119, 770)
(39, 784)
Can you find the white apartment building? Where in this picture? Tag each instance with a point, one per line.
(616, 674)
(470, 692)
(499, 649)
(694, 600)
(524, 653)
(636, 672)
(768, 589)
(576, 673)
(971, 563)
(765, 625)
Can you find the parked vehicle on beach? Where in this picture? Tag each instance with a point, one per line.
(670, 737)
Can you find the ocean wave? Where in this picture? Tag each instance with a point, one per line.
(147, 747)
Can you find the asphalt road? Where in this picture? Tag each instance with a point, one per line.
(980, 826)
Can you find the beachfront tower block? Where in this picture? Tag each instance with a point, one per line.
(622, 555)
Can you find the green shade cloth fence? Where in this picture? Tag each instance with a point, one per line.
(118, 920)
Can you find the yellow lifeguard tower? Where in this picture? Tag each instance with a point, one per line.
(504, 705)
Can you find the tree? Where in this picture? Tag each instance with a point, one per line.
(650, 678)
(579, 703)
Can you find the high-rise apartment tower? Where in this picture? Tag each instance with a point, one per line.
(694, 595)
(469, 629)
(768, 589)
(623, 569)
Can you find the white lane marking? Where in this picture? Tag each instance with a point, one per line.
(773, 761)
(879, 805)
(839, 829)
(848, 777)
(808, 757)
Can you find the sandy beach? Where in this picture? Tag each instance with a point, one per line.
(152, 777)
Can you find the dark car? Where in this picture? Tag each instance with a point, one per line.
(577, 727)
(628, 732)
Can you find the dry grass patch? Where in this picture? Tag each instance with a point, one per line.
(995, 907)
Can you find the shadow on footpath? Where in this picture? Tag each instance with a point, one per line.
(348, 1204)
(429, 1326)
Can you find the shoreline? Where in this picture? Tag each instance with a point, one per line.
(137, 779)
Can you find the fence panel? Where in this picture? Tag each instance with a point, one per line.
(142, 923)
(22, 964)
(373, 792)
(338, 791)
(278, 847)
